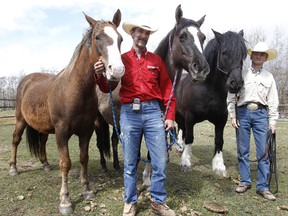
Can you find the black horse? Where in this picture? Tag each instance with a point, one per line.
(197, 102)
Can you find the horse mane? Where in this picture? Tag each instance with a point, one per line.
(84, 42)
(163, 46)
(233, 40)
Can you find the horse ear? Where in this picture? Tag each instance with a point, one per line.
(241, 32)
(178, 14)
(90, 20)
(218, 36)
(201, 21)
(117, 18)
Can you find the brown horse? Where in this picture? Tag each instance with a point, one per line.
(67, 103)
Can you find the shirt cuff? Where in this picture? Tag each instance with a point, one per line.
(272, 122)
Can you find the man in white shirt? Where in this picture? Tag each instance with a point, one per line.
(255, 107)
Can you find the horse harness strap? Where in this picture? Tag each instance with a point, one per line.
(223, 71)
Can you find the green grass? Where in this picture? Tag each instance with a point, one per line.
(187, 192)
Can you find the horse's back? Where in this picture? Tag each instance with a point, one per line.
(31, 100)
(32, 81)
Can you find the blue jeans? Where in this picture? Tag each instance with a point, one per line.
(148, 121)
(257, 120)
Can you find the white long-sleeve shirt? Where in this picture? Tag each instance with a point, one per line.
(258, 87)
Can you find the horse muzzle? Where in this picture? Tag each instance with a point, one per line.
(115, 73)
(200, 76)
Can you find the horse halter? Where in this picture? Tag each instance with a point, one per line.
(222, 70)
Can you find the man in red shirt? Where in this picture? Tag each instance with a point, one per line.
(144, 86)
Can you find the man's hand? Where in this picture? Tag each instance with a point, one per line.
(169, 124)
(235, 122)
(272, 128)
(99, 68)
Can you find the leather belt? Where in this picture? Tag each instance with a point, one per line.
(254, 106)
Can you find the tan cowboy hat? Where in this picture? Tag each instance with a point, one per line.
(128, 26)
(263, 47)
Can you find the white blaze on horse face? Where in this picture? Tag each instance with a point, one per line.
(114, 68)
(194, 31)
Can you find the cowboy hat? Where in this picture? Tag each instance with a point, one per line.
(263, 47)
(128, 26)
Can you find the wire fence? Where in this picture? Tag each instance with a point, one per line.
(9, 104)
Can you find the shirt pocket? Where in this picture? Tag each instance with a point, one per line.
(152, 74)
(263, 88)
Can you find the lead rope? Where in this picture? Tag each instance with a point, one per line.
(271, 140)
(113, 113)
(171, 133)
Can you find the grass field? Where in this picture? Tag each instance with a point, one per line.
(36, 192)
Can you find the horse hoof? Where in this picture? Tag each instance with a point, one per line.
(222, 173)
(88, 196)
(105, 170)
(47, 168)
(13, 172)
(118, 173)
(185, 168)
(65, 210)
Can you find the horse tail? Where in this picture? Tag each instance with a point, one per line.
(33, 141)
(103, 137)
(106, 140)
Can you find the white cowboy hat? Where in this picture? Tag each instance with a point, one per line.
(128, 26)
(263, 47)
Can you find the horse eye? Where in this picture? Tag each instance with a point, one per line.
(224, 53)
(183, 38)
(97, 37)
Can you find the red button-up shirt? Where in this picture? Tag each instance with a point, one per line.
(145, 78)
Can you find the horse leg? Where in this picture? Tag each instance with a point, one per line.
(84, 157)
(147, 170)
(17, 137)
(103, 141)
(147, 173)
(181, 142)
(114, 141)
(218, 162)
(186, 164)
(65, 206)
(43, 155)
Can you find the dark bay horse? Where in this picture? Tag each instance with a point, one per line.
(197, 102)
(182, 50)
(67, 104)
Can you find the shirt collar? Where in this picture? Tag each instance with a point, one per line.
(144, 53)
(255, 72)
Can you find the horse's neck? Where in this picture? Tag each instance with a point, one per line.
(215, 79)
(80, 71)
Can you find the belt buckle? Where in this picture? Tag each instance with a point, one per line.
(252, 106)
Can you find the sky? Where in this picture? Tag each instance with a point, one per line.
(40, 35)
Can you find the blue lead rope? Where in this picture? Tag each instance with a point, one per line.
(173, 138)
(113, 113)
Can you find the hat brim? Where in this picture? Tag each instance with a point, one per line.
(128, 26)
(272, 53)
